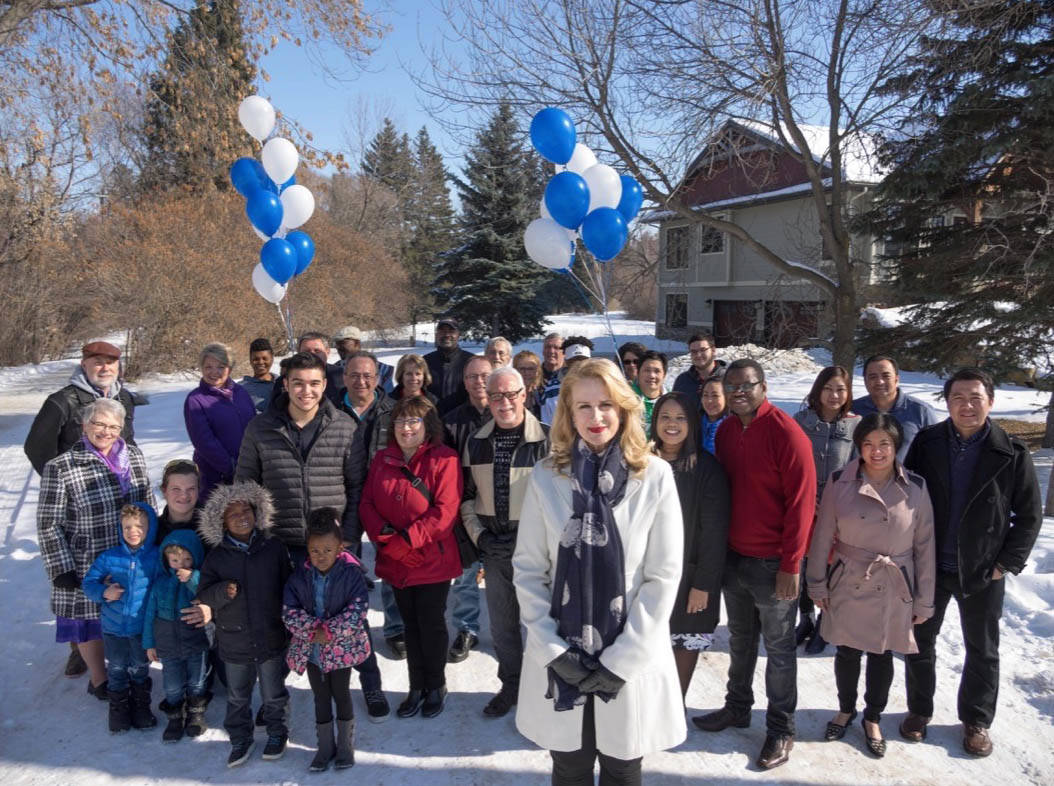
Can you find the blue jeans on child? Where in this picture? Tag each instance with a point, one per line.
(240, 678)
(184, 677)
(125, 661)
(465, 593)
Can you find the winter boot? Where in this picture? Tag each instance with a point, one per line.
(345, 744)
(120, 711)
(327, 749)
(174, 730)
(142, 718)
(196, 716)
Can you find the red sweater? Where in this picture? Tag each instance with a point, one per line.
(772, 478)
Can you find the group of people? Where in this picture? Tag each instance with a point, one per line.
(606, 516)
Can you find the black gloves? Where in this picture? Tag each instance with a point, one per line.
(570, 669)
(66, 581)
(601, 681)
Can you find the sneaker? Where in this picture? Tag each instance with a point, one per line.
(503, 701)
(397, 644)
(377, 709)
(240, 752)
(464, 642)
(75, 665)
(275, 747)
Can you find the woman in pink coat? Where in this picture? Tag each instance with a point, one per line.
(876, 524)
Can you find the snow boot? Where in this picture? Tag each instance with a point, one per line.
(174, 730)
(345, 744)
(120, 711)
(196, 716)
(327, 749)
(142, 718)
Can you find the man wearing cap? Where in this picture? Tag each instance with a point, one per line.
(349, 340)
(575, 349)
(447, 366)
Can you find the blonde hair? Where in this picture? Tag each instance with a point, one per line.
(632, 440)
(414, 361)
(135, 512)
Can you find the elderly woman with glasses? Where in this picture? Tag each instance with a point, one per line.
(78, 512)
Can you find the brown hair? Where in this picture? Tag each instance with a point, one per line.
(179, 467)
(420, 407)
(812, 401)
(526, 354)
(135, 512)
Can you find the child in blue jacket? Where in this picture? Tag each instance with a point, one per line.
(120, 580)
(182, 649)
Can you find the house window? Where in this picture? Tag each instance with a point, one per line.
(677, 242)
(677, 310)
(713, 241)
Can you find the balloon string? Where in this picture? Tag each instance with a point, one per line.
(596, 278)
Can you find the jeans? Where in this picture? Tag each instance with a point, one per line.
(979, 616)
(423, 607)
(240, 678)
(748, 586)
(125, 661)
(465, 590)
(877, 679)
(184, 677)
(575, 768)
(329, 688)
(504, 611)
(393, 620)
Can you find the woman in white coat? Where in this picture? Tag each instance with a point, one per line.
(596, 569)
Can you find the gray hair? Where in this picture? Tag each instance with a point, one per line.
(499, 340)
(553, 335)
(221, 352)
(504, 371)
(109, 406)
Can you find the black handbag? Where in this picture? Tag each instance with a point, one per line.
(466, 549)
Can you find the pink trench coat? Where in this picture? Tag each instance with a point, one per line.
(883, 563)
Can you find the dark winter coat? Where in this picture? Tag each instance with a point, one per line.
(77, 512)
(448, 383)
(461, 423)
(163, 627)
(58, 426)
(132, 570)
(1004, 510)
(271, 457)
(216, 422)
(165, 526)
(346, 601)
(249, 627)
(397, 394)
(688, 382)
(426, 529)
(372, 432)
(704, 497)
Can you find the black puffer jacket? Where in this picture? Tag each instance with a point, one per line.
(249, 628)
(372, 433)
(270, 456)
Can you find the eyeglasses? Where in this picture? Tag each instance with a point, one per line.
(401, 422)
(476, 377)
(509, 396)
(106, 427)
(744, 387)
(360, 377)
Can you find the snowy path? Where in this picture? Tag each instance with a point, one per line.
(52, 733)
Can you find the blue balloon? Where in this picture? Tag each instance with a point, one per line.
(304, 247)
(553, 135)
(290, 182)
(632, 198)
(604, 232)
(265, 211)
(278, 258)
(244, 177)
(567, 199)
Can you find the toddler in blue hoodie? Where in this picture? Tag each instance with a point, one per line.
(120, 580)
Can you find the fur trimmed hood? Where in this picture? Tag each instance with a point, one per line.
(210, 518)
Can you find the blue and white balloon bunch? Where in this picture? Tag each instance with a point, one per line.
(583, 196)
(275, 211)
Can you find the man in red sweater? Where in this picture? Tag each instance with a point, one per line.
(772, 478)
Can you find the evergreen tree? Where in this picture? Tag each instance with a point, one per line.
(191, 133)
(488, 283)
(966, 208)
(389, 161)
(430, 219)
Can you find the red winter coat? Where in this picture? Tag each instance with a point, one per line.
(426, 553)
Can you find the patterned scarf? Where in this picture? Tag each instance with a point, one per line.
(589, 590)
(117, 462)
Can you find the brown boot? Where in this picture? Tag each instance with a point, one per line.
(913, 727)
(976, 741)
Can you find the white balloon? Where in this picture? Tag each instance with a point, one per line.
(265, 286)
(582, 159)
(257, 117)
(260, 234)
(544, 212)
(297, 206)
(547, 244)
(279, 159)
(605, 186)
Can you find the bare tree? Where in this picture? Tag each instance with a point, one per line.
(652, 80)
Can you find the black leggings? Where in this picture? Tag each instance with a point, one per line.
(330, 687)
(877, 679)
(575, 768)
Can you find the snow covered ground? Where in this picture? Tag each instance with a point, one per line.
(52, 733)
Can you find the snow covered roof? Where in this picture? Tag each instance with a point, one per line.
(650, 216)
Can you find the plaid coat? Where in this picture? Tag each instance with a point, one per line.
(77, 516)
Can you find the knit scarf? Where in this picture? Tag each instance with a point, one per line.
(117, 462)
(589, 590)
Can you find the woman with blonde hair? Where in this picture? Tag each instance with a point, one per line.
(596, 569)
(530, 367)
(412, 378)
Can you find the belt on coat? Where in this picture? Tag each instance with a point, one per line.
(875, 560)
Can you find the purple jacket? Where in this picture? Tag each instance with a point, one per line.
(216, 420)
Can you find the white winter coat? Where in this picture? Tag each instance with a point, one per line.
(647, 715)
